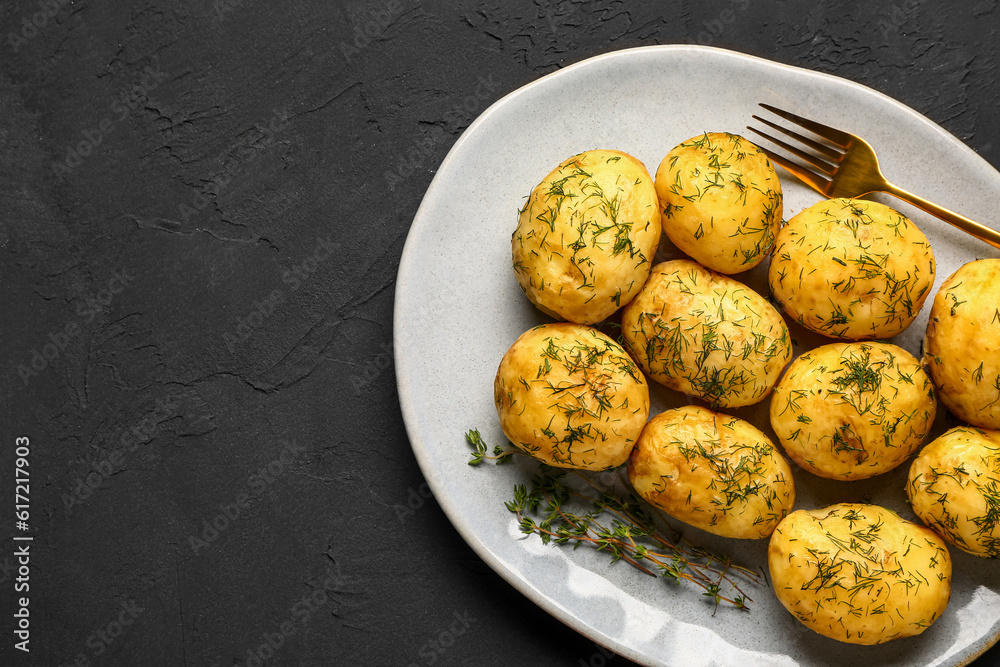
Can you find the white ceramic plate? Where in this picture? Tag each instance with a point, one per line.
(458, 308)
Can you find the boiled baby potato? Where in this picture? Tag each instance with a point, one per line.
(721, 201)
(706, 335)
(571, 397)
(585, 241)
(954, 487)
(962, 345)
(859, 573)
(853, 410)
(712, 471)
(851, 269)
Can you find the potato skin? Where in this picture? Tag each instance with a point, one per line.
(571, 397)
(585, 240)
(853, 410)
(962, 343)
(859, 573)
(954, 487)
(720, 200)
(713, 471)
(706, 335)
(851, 269)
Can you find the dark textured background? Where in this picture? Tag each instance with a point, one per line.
(214, 281)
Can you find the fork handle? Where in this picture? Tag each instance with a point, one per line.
(981, 232)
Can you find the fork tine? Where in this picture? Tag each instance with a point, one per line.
(834, 136)
(823, 149)
(807, 176)
(819, 163)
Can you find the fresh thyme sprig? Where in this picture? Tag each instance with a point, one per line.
(620, 524)
(479, 454)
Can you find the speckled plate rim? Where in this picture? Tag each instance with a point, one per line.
(408, 277)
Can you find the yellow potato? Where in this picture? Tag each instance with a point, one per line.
(962, 345)
(858, 573)
(707, 335)
(571, 397)
(851, 269)
(853, 410)
(712, 471)
(585, 240)
(954, 487)
(721, 201)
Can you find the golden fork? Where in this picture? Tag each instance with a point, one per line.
(845, 165)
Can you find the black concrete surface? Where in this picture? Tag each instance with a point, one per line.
(202, 209)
